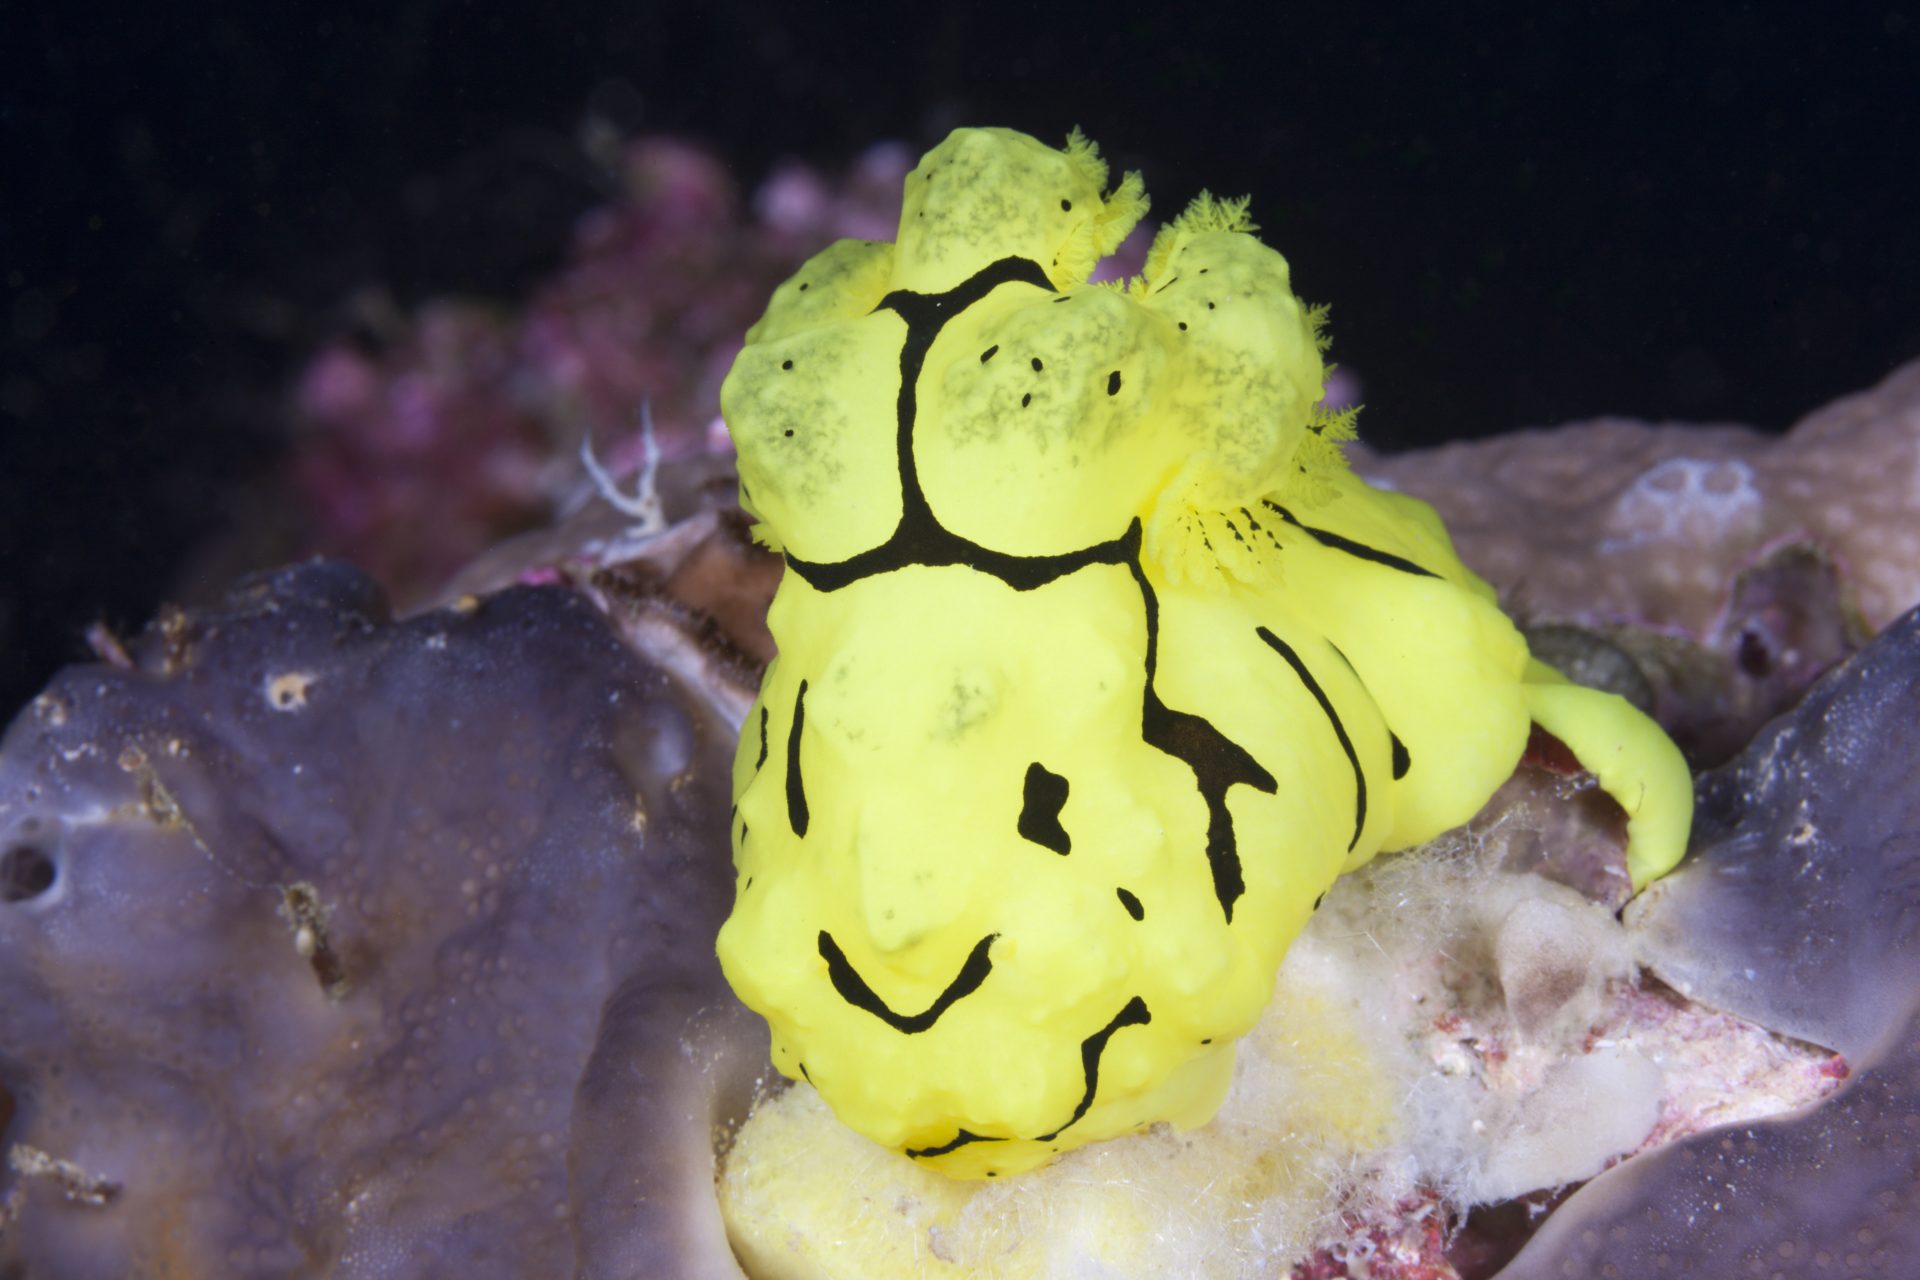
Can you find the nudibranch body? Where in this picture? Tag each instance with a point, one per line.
(1096, 664)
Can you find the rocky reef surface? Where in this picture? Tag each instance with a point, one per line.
(1798, 908)
(1718, 569)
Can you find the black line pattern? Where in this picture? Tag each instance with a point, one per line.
(797, 816)
(1359, 550)
(855, 991)
(1217, 761)
(1042, 798)
(1134, 1014)
(919, 538)
(959, 1140)
(1285, 650)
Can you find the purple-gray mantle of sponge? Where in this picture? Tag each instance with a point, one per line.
(1799, 908)
(333, 945)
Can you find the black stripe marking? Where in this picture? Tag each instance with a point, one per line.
(1132, 904)
(855, 991)
(960, 1139)
(1216, 760)
(1359, 550)
(931, 545)
(919, 539)
(797, 816)
(1042, 798)
(1401, 760)
(763, 738)
(1134, 1015)
(1260, 528)
(1281, 647)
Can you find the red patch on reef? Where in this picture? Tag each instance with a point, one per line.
(1413, 1248)
(1492, 1234)
(1551, 754)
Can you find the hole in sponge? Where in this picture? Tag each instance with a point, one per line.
(26, 872)
(1755, 655)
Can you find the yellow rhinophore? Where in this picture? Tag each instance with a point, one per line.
(1096, 665)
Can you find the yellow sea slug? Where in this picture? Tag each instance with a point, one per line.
(1096, 664)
